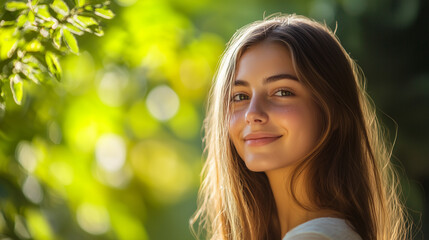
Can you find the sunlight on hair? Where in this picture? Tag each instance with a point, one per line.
(162, 102)
(93, 219)
(26, 155)
(32, 190)
(110, 152)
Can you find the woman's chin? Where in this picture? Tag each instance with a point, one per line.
(263, 165)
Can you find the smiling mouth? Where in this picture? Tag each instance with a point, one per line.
(260, 141)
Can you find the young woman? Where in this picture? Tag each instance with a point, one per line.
(294, 147)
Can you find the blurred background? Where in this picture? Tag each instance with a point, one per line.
(114, 151)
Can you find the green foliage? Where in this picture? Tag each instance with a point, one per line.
(113, 151)
(34, 34)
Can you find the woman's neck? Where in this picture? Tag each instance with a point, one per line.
(289, 212)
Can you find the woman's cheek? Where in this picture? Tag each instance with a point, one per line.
(290, 111)
(234, 125)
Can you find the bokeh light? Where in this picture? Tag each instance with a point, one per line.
(110, 152)
(32, 189)
(113, 150)
(26, 156)
(93, 219)
(112, 85)
(162, 102)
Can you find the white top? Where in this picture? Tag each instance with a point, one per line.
(325, 228)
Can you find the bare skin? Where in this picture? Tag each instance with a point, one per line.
(274, 124)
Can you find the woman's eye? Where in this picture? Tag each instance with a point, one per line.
(240, 97)
(283, 93)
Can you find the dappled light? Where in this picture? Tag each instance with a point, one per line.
(108, 144)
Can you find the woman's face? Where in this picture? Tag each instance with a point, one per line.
(274, 120)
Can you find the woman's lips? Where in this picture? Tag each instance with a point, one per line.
(260, 139)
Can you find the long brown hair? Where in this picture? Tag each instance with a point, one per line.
(349, 171)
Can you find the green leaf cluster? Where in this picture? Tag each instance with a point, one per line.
(35, 33)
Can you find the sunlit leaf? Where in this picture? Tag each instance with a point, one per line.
(8, 48)
(44, 32)
(48, 24)
(16, 86)
(89, 8)
(22, 19)
(60, 7)
(53, 64)
(76, 24)
(72, 28)
(104, 13)
(31, 16)
(4, 23)
(13, 6)
(43, 12)
(32, 68)
(85, 21)
(32, 63)
(70, 41)
(99, 32)
(34, 46)
(57, 37)
(80, 3)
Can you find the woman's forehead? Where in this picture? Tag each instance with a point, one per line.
(265, 58)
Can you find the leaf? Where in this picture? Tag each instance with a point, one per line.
(80, 3)
(85, 21)
(31, 17)
(22, 19)
(70, 41)
(31, 68)
(104, 13)
(53, 64)
(4, 23)
(43, 12)
(16, 86)
(60, 7)
(76, 24)
(34, 46)
(72, 28)
(8, 48)
(57, 38)
(13, 6)
(99, 32)
(88, 8)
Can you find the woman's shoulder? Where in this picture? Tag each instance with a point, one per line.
(325, 228)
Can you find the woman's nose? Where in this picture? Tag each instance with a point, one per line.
(256, 112)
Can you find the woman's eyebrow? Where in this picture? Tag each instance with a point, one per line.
(279, 77)
(269, 79)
